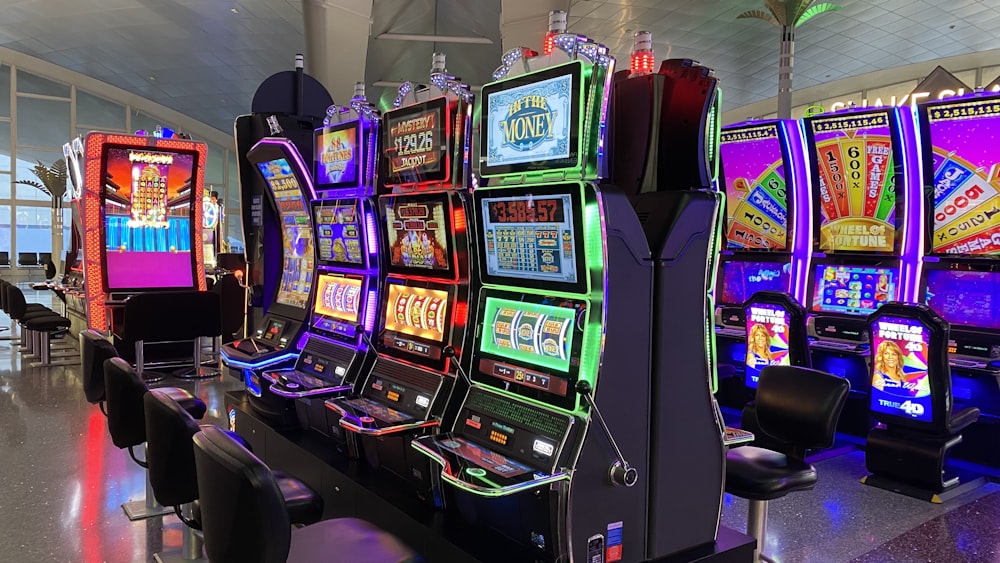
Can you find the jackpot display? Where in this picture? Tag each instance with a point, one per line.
(854, 161)
(740, 280)
(417, 234)
(965, 298)
(753, 170)
(338, 232)
(296, 233)
(417, 311)
(337, 155)
(530, 238)
(337, 299)
(767, 340)
(416, 143)
(852, 290)
(529, 333)
(147, 218)
(962, 164)
(899, 368)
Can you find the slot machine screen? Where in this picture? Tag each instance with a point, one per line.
(767, 339)
(296, 233)
(338, 232)
(740, 280)
(337, 305)
(855, 162)
(753, 171)
(338, 158)
(962, 167)
(147, 217)
(852, 290)
(530, 238)
(900, 385)
(417, 311)
(416, 143)
(532, 122)
(418, 234)
(965, 298)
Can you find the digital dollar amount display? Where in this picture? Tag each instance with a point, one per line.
(530, 238)
(767, 339)
(965, 163)
(337, 297)
(529, 333)
(899, 368)
(338, 233)
(415, 142)
(417, 311)
(855, 163)
(852, 290)
(753, 169)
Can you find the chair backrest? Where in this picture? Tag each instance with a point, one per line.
(776, 333)
(94, 351)
(50, 269)
(232, 298)
(164, 316)
(3, 294)
(169, 449)
(243, 513)
(800, 406)
(27, 258)
(124, 391)
(4, 259)
(44, 258)
(17, 306)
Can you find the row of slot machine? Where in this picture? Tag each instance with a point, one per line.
(850, 210)
(450, 331)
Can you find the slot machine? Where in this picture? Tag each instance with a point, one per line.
(335, 354)
(276, 341)
(866, 232)
(562, 325)
(960, 274)
(423, 221)
(141, 218)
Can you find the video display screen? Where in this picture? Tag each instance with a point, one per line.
(147, 218)
(970, 299)
(753, 169)
(740, 280)
(296, 233)
(900, 385)
(532, 333)
(963, 166)
(418, 234)
(530, 121)
(416, 143)
(417, 311)
(530, 238)
(767, 340)
(338, 298)
(338, 232)
(338, 159)
(855, 163)
(853, 290)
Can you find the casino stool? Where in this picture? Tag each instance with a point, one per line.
(798, 407)
(233, 301)
(124, 392)
(37, 328)
(94, 351)
(244, 518)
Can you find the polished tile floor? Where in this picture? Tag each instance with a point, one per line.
(62, 483)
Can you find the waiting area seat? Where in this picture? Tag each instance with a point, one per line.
(27, 259)
(4, 259)
(799, 408)
(244, 518)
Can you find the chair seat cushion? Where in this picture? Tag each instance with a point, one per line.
(962, 418)
(759, 474)
(193, 405)
(347, 540)
(47, 323)
(304, 505)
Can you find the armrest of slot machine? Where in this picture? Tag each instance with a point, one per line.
(480, 470)
(373, 418)
(293, 384)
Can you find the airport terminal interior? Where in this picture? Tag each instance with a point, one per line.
(540, 281)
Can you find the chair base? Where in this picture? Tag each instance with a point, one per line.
(137, 510)
(959, 486)
(200, 373)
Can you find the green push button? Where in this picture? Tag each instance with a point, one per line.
(476, 471)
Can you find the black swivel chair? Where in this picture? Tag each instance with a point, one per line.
(244, 517)
(799, 408)
(38, 325)
(232, 300)
(94, 351)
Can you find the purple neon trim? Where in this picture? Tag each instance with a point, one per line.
(304, 170)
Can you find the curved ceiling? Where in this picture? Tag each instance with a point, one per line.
(206, 58)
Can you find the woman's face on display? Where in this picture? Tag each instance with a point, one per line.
(759, 340)
(890, 359)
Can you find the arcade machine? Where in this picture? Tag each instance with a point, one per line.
(866, 235)
(960, 277)
(766, 247)
(335, 354)
(211, 227)
(276, 342)
(140, 218)
(423, 212)
(71, 286)
(566, 289)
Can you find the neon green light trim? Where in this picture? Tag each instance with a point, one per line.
(532, 333)
(715, 246)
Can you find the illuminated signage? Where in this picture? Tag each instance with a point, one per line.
(900, 385)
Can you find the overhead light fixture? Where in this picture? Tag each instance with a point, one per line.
(234, 10)
(152, 78)
(393, 84)
(436, 38)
